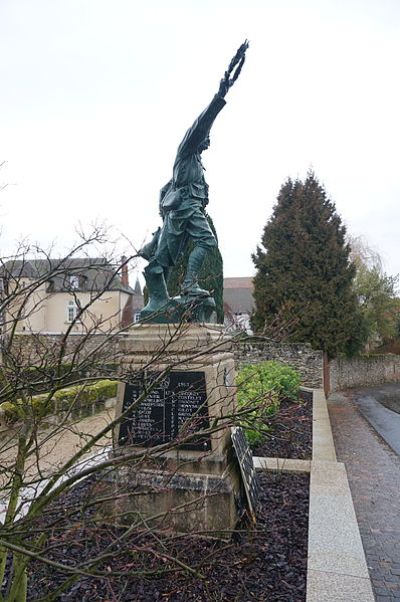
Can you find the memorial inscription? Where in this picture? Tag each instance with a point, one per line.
(175, 406)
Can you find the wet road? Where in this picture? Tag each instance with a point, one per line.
(372, 403)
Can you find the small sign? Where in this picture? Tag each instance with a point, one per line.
(248, 472)
(175, 405)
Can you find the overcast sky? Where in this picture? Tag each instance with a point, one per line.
(97, 94)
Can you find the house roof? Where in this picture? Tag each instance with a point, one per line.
(137, 287)
(94, 273)
(239, 282)
(238, 294)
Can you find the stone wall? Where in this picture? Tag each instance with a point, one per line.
(364, 371)
(298, 355)
(43, 349)
(34, 349)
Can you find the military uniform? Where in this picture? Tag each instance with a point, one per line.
(182, 203)
(184, 198)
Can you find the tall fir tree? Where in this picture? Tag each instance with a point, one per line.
(304, 276)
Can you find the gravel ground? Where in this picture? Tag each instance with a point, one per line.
(268, 562)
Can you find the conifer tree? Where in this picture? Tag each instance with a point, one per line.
(304, 275)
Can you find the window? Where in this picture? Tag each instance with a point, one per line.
(136, 317)
(73, 282)
(83, 282)
(72, 311)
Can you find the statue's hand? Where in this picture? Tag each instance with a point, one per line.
(224, 85)
(234, 69)
(145, 252)
(148, 250)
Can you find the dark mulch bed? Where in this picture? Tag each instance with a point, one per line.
(266, 563)
(291, 432)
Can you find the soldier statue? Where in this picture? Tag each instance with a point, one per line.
(182, 207)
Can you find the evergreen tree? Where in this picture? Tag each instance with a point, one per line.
(304, 275)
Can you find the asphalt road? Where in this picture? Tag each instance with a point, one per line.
(386, 422)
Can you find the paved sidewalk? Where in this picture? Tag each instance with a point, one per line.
(57, 445)
(373, 471)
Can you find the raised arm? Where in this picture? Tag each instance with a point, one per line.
(200, 129)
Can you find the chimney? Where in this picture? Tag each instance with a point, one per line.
(124, 271)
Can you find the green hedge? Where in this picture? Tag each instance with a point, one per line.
(61, 401)
(261, 386)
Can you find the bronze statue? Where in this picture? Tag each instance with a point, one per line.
(182, 203)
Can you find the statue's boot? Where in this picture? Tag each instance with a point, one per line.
(190, 284)
(157, 289)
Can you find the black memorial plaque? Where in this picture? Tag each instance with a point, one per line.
(177, 405)
(247, 470)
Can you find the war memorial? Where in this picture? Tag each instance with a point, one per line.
(196, 472)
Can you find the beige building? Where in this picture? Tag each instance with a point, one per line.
(79, 294)
(238, 303)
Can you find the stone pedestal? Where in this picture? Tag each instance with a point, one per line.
(188, 484)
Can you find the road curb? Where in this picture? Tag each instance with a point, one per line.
(337, 569)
